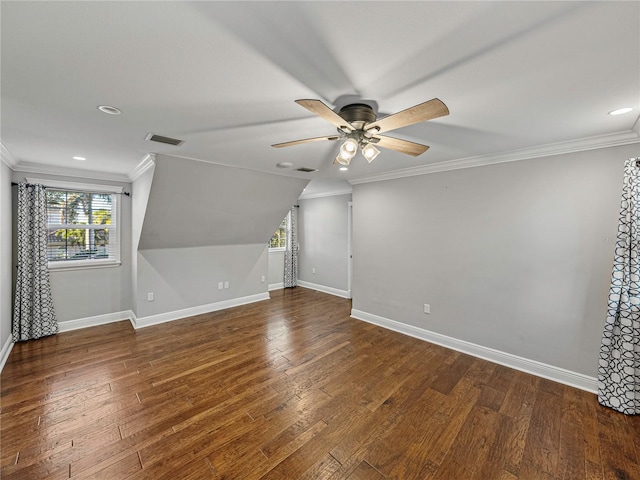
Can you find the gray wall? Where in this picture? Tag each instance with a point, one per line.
(6, 264)
(204, 224)
(182, 278)
(140, 189)
(195, 204)
(516, 257)
(276, 268)
(323, 239)
(88, 292)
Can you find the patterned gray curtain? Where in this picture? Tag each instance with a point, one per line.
(291, 251)
(619, 367)
(33, 315)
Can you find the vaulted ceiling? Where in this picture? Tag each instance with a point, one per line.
(223, 77)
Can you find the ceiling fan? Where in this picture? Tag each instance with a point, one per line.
(358, 127)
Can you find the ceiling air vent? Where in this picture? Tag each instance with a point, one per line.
(306, 170)
(162, 139)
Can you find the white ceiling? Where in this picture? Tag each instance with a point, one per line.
(224, 76)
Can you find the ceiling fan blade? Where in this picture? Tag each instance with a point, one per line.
(305, 140)
(320, 109)
(402, 146)
(433, 108)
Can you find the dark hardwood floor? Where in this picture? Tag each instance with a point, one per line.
(292, 388)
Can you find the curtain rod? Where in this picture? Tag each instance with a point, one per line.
(13, 184)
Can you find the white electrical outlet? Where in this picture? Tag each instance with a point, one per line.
(226, 284)
(313, 270)
(150, 297)
(262, 278)
(427, 308)
(220, 285)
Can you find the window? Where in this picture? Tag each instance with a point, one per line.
(82, 228)
(279, 239)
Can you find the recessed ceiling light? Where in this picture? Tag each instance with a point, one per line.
(620, 111)
(109, 109)
(284, 165)
(79, 158)
(344, 169)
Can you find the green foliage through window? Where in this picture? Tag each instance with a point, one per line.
(81, 225)
(279, 239)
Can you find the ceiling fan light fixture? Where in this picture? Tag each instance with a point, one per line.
(343, 154)
(343, 160)
(369, 152)
(349, 147)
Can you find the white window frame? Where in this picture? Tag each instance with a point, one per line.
(115, 212)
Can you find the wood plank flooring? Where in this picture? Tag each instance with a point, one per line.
(292, 388)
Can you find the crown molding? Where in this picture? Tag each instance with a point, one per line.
(330, 193)
(559, 148)
(7, 157)
(148, 161)
(308, 176)
(70, 172)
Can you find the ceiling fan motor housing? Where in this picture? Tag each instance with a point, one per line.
(358, 115)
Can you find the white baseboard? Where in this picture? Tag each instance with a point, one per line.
(71, 325)
(141, 322)
(276, 286)
(6, 350)
(325, 289)
(159, 318)
(94, 321)
(560, 375)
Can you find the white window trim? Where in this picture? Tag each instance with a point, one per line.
(90, 188)
(82, 264)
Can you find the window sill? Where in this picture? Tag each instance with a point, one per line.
(81, 265)
(276, 250)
